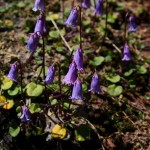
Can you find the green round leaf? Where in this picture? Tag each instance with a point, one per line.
(108, 58)
(14, 131)
(142, 70)
(34, 108)
(13, 92)
(115, 90)
(97, 61)
(21, 4)
(34, 89)
(38, 71)
(66, 105)
(128, 73)
(113, 79)
(54, 34)
(53, 101)
(6, 83)
(60, 49)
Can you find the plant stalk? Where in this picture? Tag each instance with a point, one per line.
(81, 24)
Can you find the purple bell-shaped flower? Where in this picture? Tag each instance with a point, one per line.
(38, 5)
(86, 4)
(32, 42)
(25, 117)
(132, 24)
(77, 91)
(71, 75)
(99, 7)
(40, 26)
(95, 84)
(50, 75)
(71, 21)
(78, 58)
(13, 72)
(126, 53)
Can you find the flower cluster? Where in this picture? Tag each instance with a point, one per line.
(76, 67)
(39, 29)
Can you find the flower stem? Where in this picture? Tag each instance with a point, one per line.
(81, 24)
(21, 78)
(59, 77)
(125, 28)
(72, 4)
(106, 19)
(43, 66)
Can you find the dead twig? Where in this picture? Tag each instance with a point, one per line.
(64, 40)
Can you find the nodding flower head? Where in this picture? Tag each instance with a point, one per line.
(71, 21)
(13, 72)
(86, 4)
(95, 84)
(77, 91)
(132, 24)
(38, 5)
(50, 75)
(126, 53)
(71, 75)
(40, 26)
(78, 58)
(25, 117)
(32, 42)
(99, 7)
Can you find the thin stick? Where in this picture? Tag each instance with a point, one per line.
(117, 48)
(62, 8)
(55, 25)
(8, 54)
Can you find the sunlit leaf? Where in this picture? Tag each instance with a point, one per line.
(128, 73)
(34, 89)
(55, 16)
(113, 79)
(21, 4)
(34, 108)
(53, 101)
(14, 131)
(115, 90)
(13, 92)
(62, 133)
(9, 105)
(54, 34)
(97, 61)
(2, 100)
(6, 83)
(59, 132)
(38, 71)
(142, 70)
(108, 58)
